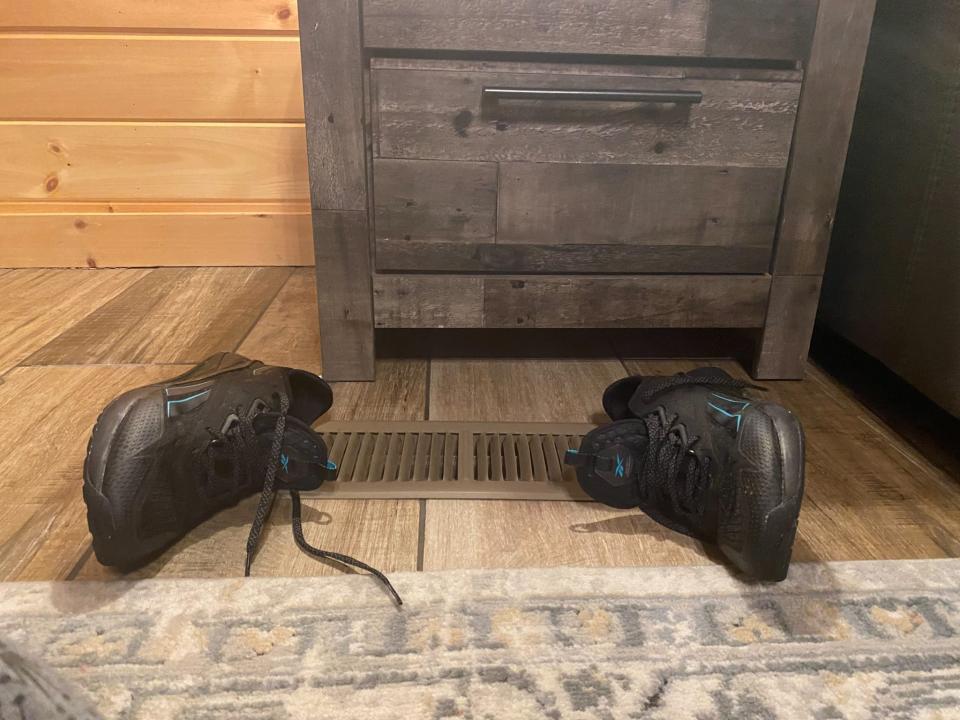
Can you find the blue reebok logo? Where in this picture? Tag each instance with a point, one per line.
(619, 472)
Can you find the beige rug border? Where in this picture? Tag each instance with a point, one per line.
(451, 588)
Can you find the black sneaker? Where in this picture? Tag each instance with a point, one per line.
(698, 456)
(165, 457)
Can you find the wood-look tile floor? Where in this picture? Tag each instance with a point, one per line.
(70, 340)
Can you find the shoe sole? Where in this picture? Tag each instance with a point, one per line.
(768, 546)
(115, 543)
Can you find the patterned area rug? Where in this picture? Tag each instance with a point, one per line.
(848, 640)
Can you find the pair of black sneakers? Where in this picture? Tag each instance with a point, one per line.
(690, 450)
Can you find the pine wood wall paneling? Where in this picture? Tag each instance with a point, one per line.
(261, 16)
(152, 161)
(142, 133)
(143, 77)
(152, 234)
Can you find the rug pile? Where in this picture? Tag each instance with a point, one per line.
(846, 640)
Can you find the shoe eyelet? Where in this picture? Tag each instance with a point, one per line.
(229, 423)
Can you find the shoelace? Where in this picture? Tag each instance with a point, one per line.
(671, 468)
(244, 441)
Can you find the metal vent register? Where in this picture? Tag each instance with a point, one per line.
(522, 461)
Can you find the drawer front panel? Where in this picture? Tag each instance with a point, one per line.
(570, 302)
(758, 29)
(578, 187)
(434, 216)
(419, 200)
(638, 204)
(439, 111)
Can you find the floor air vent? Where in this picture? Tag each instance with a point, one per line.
(522, 461)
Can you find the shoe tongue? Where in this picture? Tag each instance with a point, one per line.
(645, 399)
(304, 460)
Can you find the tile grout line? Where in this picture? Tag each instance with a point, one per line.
(618, 356)
(266, 306)
(78, 566)
(421, 534)
(426, 399)
(422, 520)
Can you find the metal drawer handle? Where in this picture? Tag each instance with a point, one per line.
(673, 97)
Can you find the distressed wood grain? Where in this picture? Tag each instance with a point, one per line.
(435, 113)
(824, 123)
(500, 257)
(530, 301)
(559, 203)
(639, 301)
(788, 328)
(421, 200)
(333, 94)
(333, 91)
(423, 301)
(760, 28)
(775, 29)
(341, 245)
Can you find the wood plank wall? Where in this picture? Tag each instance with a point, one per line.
(152, 132)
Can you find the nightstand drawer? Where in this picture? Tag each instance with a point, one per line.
(450, 110)
(550, 168)
(758, 29)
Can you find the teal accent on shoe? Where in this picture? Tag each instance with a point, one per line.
(186, 399)
(745, 403)
(738, 416)
(285, 462)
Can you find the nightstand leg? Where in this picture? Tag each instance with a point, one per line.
(825, 118)
(344, 294)
(332, 59)
(791, 312)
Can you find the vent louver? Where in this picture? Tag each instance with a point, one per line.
(452, 460)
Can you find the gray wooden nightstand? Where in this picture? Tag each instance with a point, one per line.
(576, 163)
